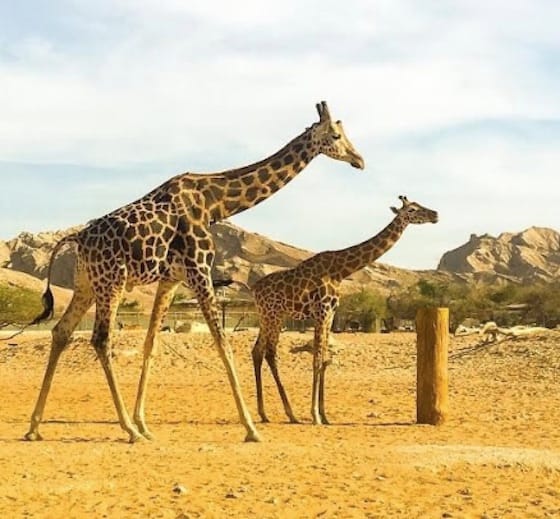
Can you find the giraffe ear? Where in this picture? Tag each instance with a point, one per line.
(395, 210)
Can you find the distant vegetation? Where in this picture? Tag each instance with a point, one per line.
(363, 308)
(507, 304)
(18, 305)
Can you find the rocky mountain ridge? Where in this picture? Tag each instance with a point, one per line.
(528, 256)
(524, 257)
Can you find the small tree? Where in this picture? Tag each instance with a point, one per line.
(365, 307)
(543, 302)
(461, 300)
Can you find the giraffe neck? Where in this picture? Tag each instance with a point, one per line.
(233, 191)
(350, 260)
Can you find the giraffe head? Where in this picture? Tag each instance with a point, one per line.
(328, 137)
(411, 212)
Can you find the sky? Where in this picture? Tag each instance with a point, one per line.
(454, 104)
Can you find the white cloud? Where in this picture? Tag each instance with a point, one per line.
(207, 85)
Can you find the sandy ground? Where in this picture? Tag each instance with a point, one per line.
(497, 456)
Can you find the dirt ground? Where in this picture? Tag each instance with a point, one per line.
(497, 456)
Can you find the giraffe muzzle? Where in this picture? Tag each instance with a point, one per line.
(357, 162)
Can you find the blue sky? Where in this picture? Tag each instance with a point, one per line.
(454, 104)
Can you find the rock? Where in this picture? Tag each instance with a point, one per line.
(240, 254)
(527, 256)
(5, 254)
(533, 254)
(179, 489)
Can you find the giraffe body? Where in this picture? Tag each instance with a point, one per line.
(311, 291)
(165, 237)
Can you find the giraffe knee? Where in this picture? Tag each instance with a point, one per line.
(100, 339)
(270, 356)
(60, 337)
(257, 352)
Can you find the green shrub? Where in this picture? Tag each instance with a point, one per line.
(365, 307)
(18, 305)
(482, 302)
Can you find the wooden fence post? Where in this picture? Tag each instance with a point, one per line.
(432, 343)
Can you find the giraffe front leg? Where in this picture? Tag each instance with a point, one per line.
(200, 281)
(164, 296)
(315, 415)
(325, 362)
(323, 368)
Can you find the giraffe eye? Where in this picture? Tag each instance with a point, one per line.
(336, 136)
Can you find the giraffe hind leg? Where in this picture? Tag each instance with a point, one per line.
(61, 333)
(162, 302)
(106, 311)
(258, 354)
(271, 359)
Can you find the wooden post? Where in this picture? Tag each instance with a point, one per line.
(432, 343)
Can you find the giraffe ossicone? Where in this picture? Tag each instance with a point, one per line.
(165, 237)
(310, 290)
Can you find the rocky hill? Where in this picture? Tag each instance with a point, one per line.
(524, 257)
(241, 254)
(533, 254)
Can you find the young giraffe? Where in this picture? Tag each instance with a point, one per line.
(310, 291)
(164, 236)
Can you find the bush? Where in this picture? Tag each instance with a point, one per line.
(129, 305)
(18, 305)
(482, 302)
(365, 307)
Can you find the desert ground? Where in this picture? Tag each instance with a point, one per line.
(497, 456)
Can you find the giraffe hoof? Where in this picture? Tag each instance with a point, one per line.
(32, 436)
(294, 420)
(144, 431)
(147, 435)
(252, 436)
(135, 437)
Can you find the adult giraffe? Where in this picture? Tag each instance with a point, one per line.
(164, 236)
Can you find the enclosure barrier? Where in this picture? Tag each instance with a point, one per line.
(432, 343)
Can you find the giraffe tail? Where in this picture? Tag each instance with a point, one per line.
(217, 283)
(48, 298)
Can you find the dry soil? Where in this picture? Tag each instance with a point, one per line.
(497, 456)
